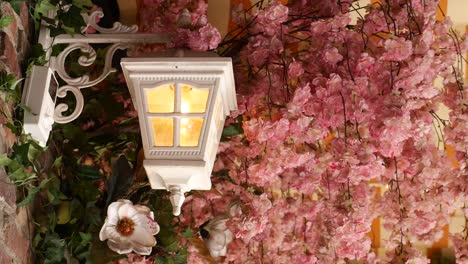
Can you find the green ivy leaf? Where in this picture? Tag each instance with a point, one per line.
(48, 20)
(187, 233)
(34, 150)
(84, 5)
(120, 180)
(5, 21)
(20, 153)
(12, 127)
(54, 195)
(54, 249)
(75, 135)
(32, 194)
(19, 176)
(86, 190)
(25, 108)
(100, 252)
(55, 31)
(69, 30)
(181, 256)
(51, 219)
(42, 8)
(16, 4)
(72, 19)
(38, 56)
(14, 165)
(37, 50)
(168, 238)
(37, 239)
(4, 160)
(57, 162)
(232, 130)
(14, 84)
(93, 215)
(85, 238)
(91, 173)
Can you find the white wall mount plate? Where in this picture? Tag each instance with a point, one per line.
(39, 94)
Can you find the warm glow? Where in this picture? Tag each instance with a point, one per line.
(190, 130)
(185, 107)
(193, 100)
(163, 129)
(161, 99)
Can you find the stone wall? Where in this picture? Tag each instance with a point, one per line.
(16, 228)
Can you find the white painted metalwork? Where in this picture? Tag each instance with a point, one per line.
(91, 19)
(39, 95)
(120, 37)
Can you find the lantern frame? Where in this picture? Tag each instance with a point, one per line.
(177, 168)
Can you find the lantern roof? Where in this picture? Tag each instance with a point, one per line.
(182, 65)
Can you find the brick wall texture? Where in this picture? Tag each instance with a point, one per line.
(16, 228)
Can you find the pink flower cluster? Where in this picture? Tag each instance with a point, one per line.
(186, 20)
(329, 110)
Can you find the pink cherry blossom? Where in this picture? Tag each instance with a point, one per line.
(331, 114)
(295, 69)
(206, 38)
(397, 49)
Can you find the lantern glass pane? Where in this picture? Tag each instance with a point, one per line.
(161, 99)
(163, 131)
(190, 130)
(193, 99)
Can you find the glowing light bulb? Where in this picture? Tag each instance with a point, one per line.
(185, 108)
(184, 127)
(190, 130)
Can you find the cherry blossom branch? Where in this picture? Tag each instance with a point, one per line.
(344, 119)
(411, 15)
(365, 38)
(465, 229)
(347, 63)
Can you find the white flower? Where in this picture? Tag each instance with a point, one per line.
(216, 236)
(129, 227)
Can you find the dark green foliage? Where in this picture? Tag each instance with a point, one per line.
(67, 20)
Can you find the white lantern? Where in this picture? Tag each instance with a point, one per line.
(182, 103)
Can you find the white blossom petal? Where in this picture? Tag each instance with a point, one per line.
(219, 236)
(217, 224)
(140, 249)
(127, 210)
(121, 248)
(142, 209)
(103, 234)
(153, 227)
(214, 253)
(125, 201)
(223, 252)
(143, 237)
(112, 213)
(113, 234)
(229, 236)
(217, 240)
(147, 222)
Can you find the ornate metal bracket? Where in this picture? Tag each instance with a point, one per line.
(120, 37)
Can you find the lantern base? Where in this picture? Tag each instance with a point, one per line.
(178, 177)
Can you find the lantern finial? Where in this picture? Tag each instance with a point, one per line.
(177, 199)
